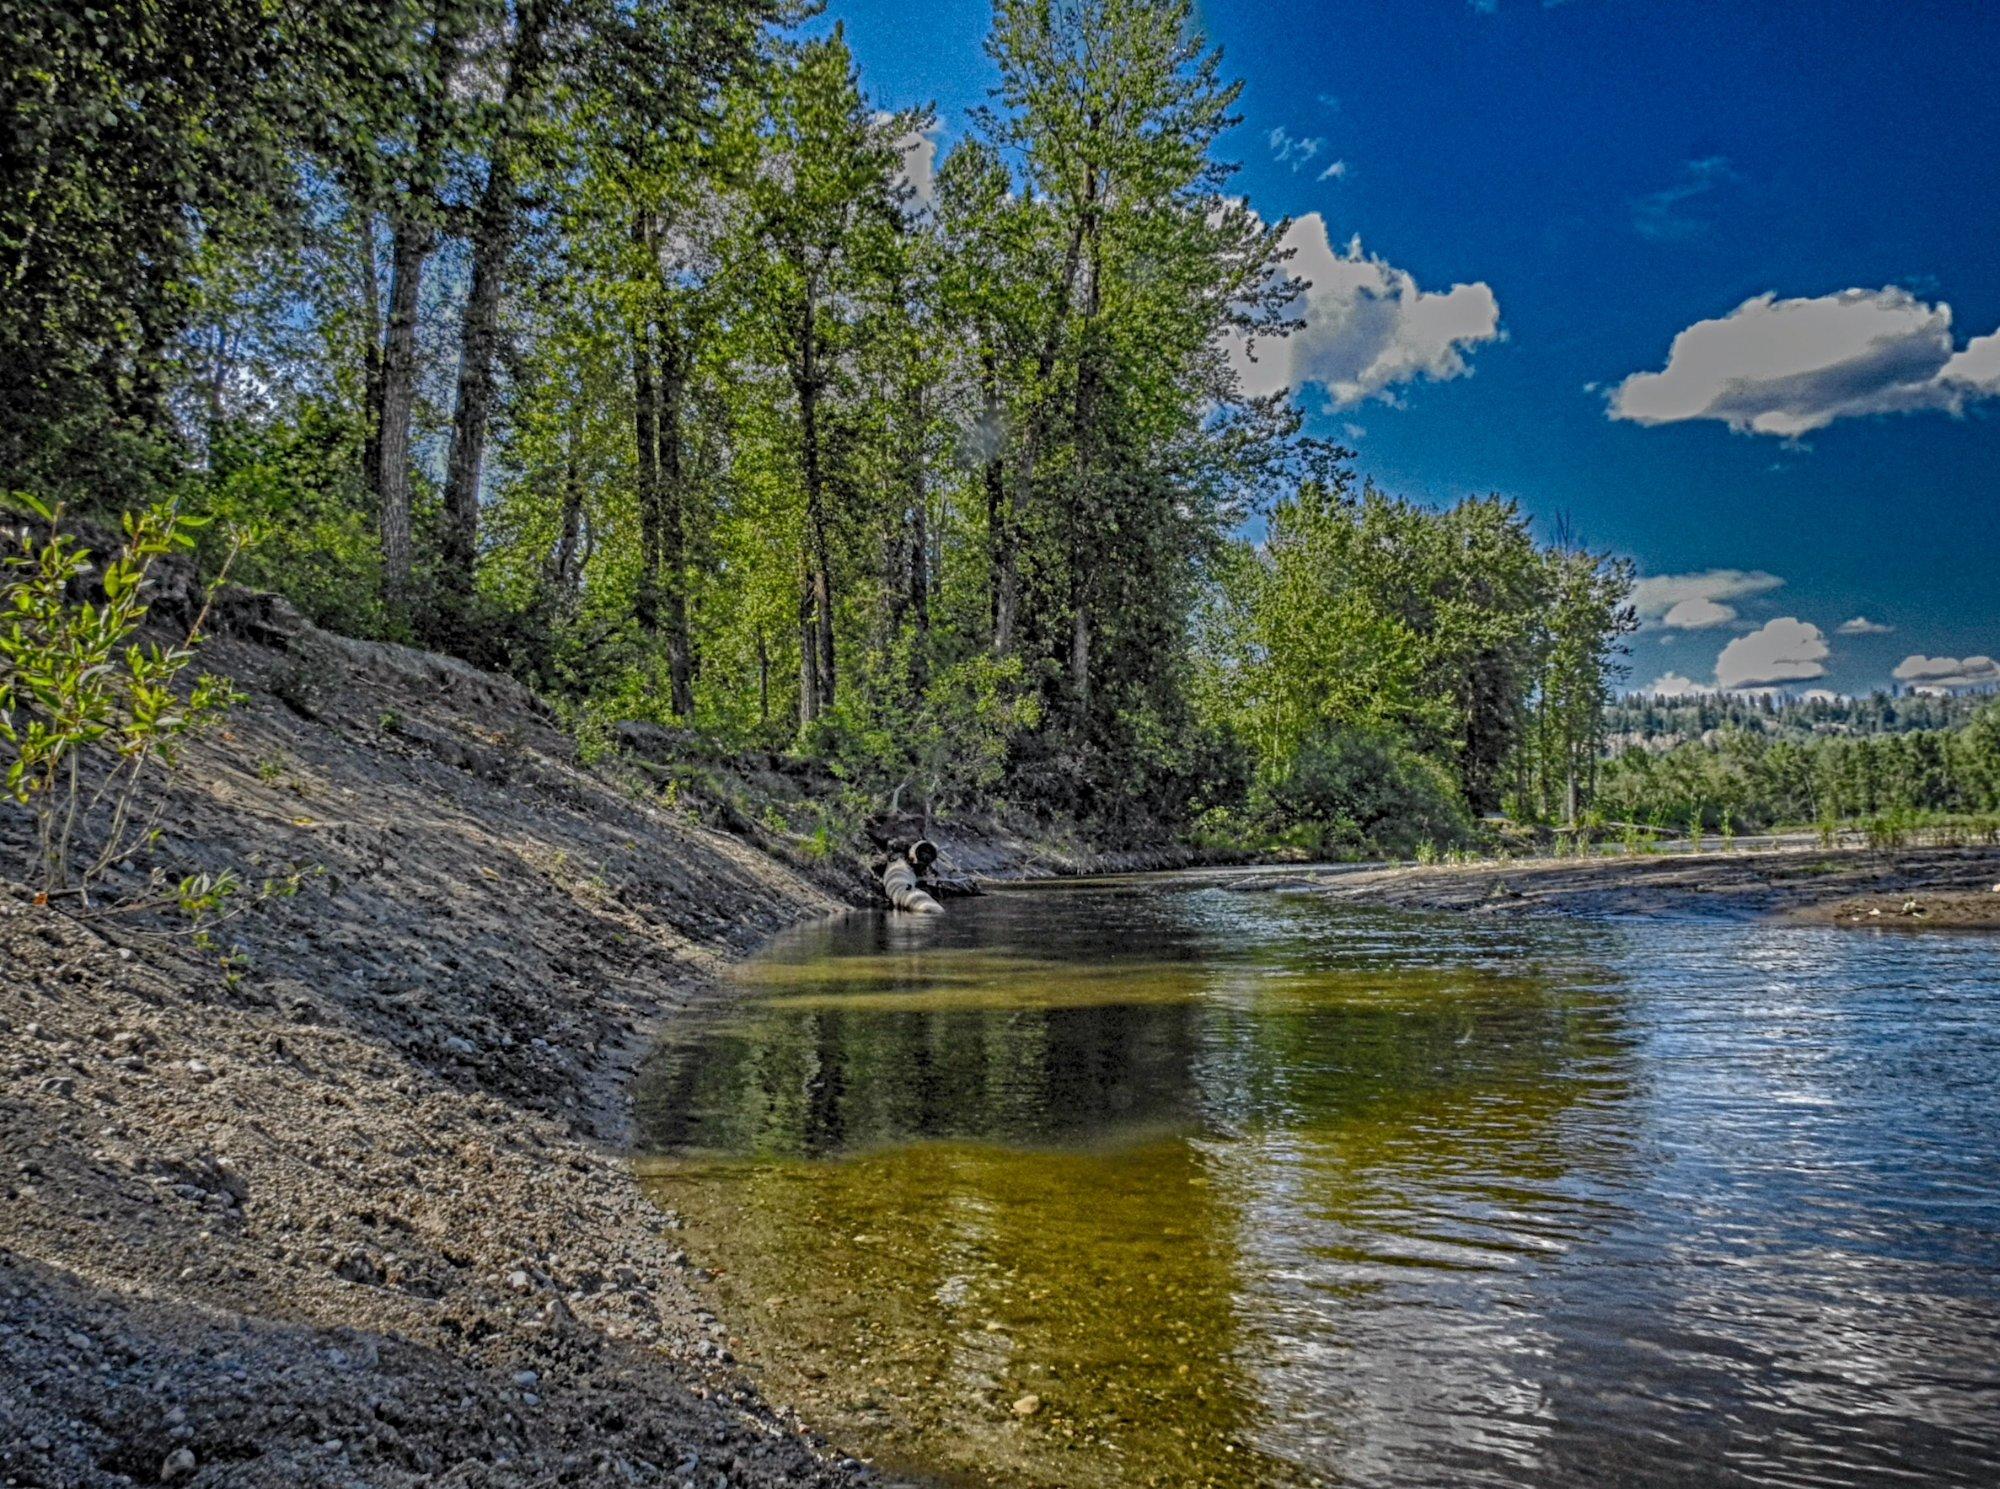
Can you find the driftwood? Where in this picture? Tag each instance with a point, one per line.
(902, 880)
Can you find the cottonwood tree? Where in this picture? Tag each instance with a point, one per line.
(825, 210)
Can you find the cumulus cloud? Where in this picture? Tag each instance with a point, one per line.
(1667, 215)
(1673, 685)
(1861, 625)
(1369, 327)
(1698, 598)
(1699, 614)
(1784, 650)
(1788, 367)
(1948, 674)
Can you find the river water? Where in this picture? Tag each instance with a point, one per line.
(1157, 1182)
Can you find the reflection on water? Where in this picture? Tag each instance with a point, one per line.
(1173, 1185)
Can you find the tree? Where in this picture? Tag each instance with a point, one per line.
(135, 139)
(824, 202)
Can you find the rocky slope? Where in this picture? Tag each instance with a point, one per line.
(342, 1200)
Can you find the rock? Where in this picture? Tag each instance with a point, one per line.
(179, 1465)
(1028, 1405)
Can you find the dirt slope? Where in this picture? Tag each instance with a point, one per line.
(357, 1214)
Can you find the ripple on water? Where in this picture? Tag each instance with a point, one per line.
(1180, 1186)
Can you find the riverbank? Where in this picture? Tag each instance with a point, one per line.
(1916, 888)
(355, 1208)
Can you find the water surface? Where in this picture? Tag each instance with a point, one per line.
(1163, 1183)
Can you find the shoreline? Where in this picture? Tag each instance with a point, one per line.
(1902, 889)
(358, 1205)
(359, 1209)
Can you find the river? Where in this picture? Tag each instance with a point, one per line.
(1160, 1182)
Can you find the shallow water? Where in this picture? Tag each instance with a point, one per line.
(1249, 1188)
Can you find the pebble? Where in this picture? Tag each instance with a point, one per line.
(1027, 1406)
(179, 1465)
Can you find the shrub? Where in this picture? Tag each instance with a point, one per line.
(89, 715)
(1366, 784)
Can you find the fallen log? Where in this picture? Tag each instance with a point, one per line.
(902, 880)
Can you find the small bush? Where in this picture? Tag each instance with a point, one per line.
(90, 717)
(1368, 786)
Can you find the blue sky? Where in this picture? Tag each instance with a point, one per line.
(1600, 176)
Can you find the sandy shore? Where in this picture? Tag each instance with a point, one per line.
(1935, 888)
(356, 1209)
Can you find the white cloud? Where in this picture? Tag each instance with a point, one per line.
(1699, 614)
(1861, 625)
(920, 149)
(1368, 326)
(1294, 150)
(1946, 674)
(1657, 598)
(1788, 367)
(1784, 650)
(1673, 685)
(1334, 172)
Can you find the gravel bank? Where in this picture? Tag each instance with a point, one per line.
(1949, 888)
(357, 1211)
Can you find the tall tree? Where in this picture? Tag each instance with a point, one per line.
(825, 204)
(529, 63)
(409, 117)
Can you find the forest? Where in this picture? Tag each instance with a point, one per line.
(632, 349)
(1898, 780)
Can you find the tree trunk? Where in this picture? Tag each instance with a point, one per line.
(809, 700)
(1084, 514)
(479, 337)
(645, 431)
(920, 546)
(371, 352)
(816, 604)
(479, 333)
(671, 484)
(999, 531)
(763, 679)
(562, 574)
(1079, 649)
(410, 249)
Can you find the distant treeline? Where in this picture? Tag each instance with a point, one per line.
(1770, 770)
(1640, 718)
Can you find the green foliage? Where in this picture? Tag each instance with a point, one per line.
(1736, 779)
(293, 487)
(1365, 788)
(1451, 636)
(607, 344)
(89, 714)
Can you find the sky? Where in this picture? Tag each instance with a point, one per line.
(1715, 281)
